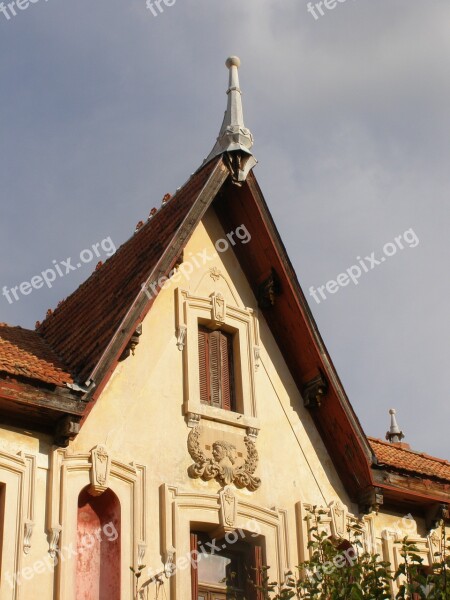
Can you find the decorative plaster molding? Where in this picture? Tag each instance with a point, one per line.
(257, 356)
(28, 532)
(169, 562)
(228, 508)
(218, 308)
(338, 520)
(101, 467)
(142, 548)
(435, 544)
(53, 543)
(222, 464)
(215, 273)
(181, 337)
(252, 433)
(193, 419)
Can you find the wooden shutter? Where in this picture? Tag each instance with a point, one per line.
(194, 570)
(226, 367)
(215, 368)
(254, 573)
(203, 361)
(215, 352)
(257, 560)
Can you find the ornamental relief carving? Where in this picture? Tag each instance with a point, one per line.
(100, 471)
(223, 465)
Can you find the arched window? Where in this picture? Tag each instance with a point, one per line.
(98, 546)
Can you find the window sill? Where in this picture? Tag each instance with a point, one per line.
(198, 411)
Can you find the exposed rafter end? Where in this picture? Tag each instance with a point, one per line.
(370, 500)
(268, 290)
(67, 429)
(131, 346)
(313, 391)
(436, 514)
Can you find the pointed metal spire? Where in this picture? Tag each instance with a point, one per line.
(233, 134)
(394, 435)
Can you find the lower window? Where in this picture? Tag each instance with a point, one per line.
(229, 574)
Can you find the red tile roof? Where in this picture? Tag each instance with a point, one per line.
(409, 461)
(24, 353)
(80, 329)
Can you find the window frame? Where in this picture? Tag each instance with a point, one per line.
(249, 556)
(192, 310)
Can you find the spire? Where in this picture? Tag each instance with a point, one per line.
(394, 435)
(233, 135)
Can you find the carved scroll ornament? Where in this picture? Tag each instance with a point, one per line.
(222, 464)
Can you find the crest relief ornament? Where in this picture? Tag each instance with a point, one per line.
(101, 466)
(218, 308)
(228, 508)
(223, 465)
(338, 520)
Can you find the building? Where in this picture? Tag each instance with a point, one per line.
(181, 405)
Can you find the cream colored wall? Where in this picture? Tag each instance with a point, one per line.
(139, 418)
(26, 487)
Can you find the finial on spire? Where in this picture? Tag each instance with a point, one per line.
(394, 435)
(233, 135)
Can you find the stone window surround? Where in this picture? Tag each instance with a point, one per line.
(386, 540)
(180, 511)
(18, 474)
(192, 310)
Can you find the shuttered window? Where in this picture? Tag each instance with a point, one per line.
(215, 350)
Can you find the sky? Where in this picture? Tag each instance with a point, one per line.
(106, 107)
